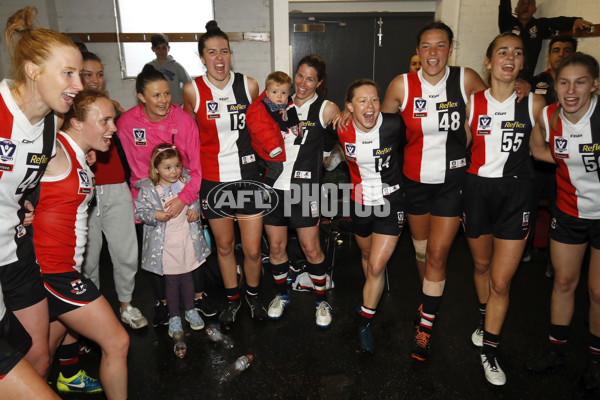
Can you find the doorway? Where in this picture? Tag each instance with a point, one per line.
(350, 45)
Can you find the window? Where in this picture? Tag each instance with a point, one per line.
(150, 16)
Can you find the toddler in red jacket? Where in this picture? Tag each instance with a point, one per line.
(269, 118)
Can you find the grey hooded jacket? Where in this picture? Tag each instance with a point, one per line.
(146, 205)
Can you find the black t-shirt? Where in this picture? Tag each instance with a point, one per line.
(532, 33)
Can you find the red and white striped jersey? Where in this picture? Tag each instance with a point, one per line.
(372, 159)
(576, 150)
(435, 126)
(25, 150)
(225, 150)
(60, 223)
(501, 132)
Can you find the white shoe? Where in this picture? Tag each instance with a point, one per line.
(493, 372)
(278, 304)
(477, 337)
(323, 314)
(133, 317)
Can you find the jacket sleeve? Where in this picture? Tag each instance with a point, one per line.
(145, 210)
(264, 131)
(548, 26)
(506, 20)
(189, 145)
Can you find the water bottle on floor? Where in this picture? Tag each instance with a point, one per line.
(180, 347)
(236, 368)
(217, 336)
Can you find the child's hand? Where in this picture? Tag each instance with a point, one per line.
(192, 216)
(162, 216)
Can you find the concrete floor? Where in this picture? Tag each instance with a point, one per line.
(295, 360)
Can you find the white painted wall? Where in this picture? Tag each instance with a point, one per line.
(477, 22)
(474, 23)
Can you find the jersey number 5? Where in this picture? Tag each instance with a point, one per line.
(511, 141)
(590, 162)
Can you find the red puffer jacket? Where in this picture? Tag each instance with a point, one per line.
(265, 134)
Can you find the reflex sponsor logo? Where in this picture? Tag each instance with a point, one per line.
(447, 105)
(383, 151)
(514, 125)
(589, 147)
(37, 159)
(237, 107)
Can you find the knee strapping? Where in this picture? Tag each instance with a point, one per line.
(420, 249)
(434, 289)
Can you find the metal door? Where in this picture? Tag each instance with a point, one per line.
(366, 45)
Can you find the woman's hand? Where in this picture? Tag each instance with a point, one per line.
(523, 88)
(341, 120)
(174, 207)
(192, 216)
(28, 220)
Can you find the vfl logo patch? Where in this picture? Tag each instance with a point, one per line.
(401, 218)
(212, 109)
(561, 147)
(21, 231)
(314, 209)
(7, 154)
(139, 136)
(248, 159)
(525, 218)
(458, 163)
(79, 287)
(553, 223)
(85, 183)
(302, 174)
(350, 149)
(420, 108)
(204, 204)
(484, 125)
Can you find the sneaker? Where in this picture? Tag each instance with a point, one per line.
(257, 310)
(78, 383)
(591, 376)
(547, 362)
(493, 372)
(417, 319)
(227, 316)
(204, 306)
(422, 344)
(175, 327)
(133, 317)
(277, 305)
(161, 314)
(477, 336)
(367, 345)
(193, 317)
(323, 314)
